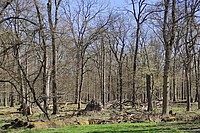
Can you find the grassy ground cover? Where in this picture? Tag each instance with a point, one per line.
(172, 127)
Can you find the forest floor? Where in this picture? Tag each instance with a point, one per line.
(110, 119)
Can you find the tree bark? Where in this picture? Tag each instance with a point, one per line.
(109, 76)
(135, 64)
(81, 82)
(148, 88)
(174, 78)
(53, 28)
(102, 77)
(198, 66)
(12, 98)
(120, 85)
(45, 74)
(77, 74)
(168, 42)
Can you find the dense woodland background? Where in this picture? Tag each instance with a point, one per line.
(77, 50)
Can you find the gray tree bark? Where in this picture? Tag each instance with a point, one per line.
(148, 88)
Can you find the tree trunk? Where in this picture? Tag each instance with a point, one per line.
(198, 66)
(109, 76)
(77, 74)
(187, 88)
(168, 50)
(19, 72)
(5, 97)
(113, 92)
(166, 80)
(45, 106)
(182, 86)
(45, 77)
(135, 64)
(53, 28)
(12, 98)
(102, 73)
(81, 82)
(174, 78)
(196, 75)
(54, 86)
(120, 85)
(148, 87)
(187, 60)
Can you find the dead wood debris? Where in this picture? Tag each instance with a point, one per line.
(16, 123)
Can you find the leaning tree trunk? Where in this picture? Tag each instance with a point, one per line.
(43, 38)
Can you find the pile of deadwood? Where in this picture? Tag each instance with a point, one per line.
(93, 105)
(139, 115)
(16, 123)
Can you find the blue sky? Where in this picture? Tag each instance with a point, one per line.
(123, 3)
(118, 3)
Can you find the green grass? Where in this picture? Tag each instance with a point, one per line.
(124, 128)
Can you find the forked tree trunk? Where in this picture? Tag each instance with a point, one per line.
(45, 77)
(53, 28)
(168, 42)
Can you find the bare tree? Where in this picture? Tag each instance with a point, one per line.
(169, 37)
(53, 22)
(120, 34)
(140, 15)
(83, 34)
(43, 36)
